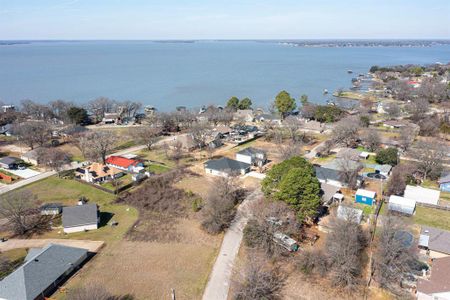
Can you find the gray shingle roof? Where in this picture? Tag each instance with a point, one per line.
(226, 164)
(327, 174)
(439, 239)
(8, 160)
(250, 151)
(80, 215)
(39, 272)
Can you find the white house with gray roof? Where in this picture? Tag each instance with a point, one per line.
(42, 272)
(80, 218)
(252, 156)
(225, 167)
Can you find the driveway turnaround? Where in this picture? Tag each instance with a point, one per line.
(9, 187)
(219, 280)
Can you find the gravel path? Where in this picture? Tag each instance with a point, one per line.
(219, 280)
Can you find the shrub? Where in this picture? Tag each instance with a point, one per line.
(387, 156)
(197, 204)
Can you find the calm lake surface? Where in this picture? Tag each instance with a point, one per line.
(192, 74)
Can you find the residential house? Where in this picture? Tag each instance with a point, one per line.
(329, 176)
(402, 205)
(225, 167)
(435, 242)
(111, 118)
(6, 129)
(244, 115)
(269, 119)
(422, 195)
(384, 170)
(365, 197)
(42, 273)
(444, 183)
(252, 156)
(437, 285)
(80, 218)
(330, 193)
(49, 209)
(125, 164)
(223, 130)
(31, 157)
(9, 162)
(7, 108)
(98, 173)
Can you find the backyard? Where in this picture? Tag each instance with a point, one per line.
(432, 217)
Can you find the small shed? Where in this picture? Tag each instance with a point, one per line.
(365, 197)
(402, 205)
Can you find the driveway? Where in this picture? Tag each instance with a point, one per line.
(9, 187)
(219, 280)
(27, 173)
(92, 246)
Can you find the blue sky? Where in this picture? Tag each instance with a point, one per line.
(223, 19)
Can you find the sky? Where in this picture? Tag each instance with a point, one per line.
(224, 19)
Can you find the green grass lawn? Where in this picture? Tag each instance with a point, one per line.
(124, 180)
(66, 191)
(157, 169)
(432, 217)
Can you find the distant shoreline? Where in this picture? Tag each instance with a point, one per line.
(305, 43)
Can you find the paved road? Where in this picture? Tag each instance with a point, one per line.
(92, 246)
(6, 188)
(219, 280)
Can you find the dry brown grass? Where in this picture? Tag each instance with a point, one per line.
(150, 269)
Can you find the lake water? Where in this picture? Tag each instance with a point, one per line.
(192, 74)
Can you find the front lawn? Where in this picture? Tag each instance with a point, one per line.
(124, 180)
(67, 192)
(157, 169)
(432, 217)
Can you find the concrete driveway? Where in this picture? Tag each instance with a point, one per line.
(27, 173)
(91, 246)
(219, 279)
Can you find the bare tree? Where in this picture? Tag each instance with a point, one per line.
(429, 126)
(418, 108)
(393, 110)
(289, 150)
(130, 108)
(220, 204)
(100, 106)
(372, 140)
(433, 90)
(349, 170)
(146, 135)
(393, 257)
(19, 207)
(398, 179)
(406, 138)
(258, 279)
(401, 90)
(36, 111)
(429, 158)
(176, 153)
(33, 133)
(95, 145)
(346, 131)
(292, 124)
(59, 109)
(53, 158)
(199, 132)
(344, 247)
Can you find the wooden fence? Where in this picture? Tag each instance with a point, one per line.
(442, 207)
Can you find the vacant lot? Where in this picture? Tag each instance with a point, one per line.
(150, 269)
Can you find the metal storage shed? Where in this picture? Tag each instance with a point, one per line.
(402, 205)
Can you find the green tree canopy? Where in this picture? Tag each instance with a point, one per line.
(284, 103)
(245, 103)
(328, 113)
(294, 182)
(304, 99)
(77, 115)
(233, 102)
(387, 156)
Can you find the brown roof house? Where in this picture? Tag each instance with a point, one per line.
(97, 173)
(437, 285)
(436, 242)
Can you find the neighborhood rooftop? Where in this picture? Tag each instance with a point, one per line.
(226, 164)
(438, 239)
(80, 215)
(250, 151)
(42, 270)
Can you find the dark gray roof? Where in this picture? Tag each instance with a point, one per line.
(51, 206)
(250, 151)
(8, 160)
(439, 239)
(226, 164)
(328, 191)
(79, 215)
(32, 278)
(327, 174)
